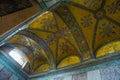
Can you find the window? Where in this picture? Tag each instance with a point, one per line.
(19, 57)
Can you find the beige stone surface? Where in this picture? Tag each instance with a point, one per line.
(11, 20)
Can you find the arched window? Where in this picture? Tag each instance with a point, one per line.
(15, 54)
(19, 57)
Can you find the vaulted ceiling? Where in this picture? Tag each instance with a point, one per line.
(71, 33)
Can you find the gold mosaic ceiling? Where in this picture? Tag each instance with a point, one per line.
(73, 32)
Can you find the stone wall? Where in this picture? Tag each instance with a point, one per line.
(109, 73)
(6, 74)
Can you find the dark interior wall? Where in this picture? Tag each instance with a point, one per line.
(9, 21)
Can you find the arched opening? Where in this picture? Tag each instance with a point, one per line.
(19, 57)
(16, 54)
(71, 60)
(109, 48)
(42, 68)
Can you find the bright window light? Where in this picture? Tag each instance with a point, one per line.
(18, 56)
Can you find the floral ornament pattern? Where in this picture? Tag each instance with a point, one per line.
(91, 3)
(117, 30)
(114, 7)
(64, 32)
(35, 49)
(107, 30)
(64, 47)
(86, 21)
(38, 56)
(48, 24)
(50, 39)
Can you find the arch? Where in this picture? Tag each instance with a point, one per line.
(27, 51)
(41, 44)
(20, 46)
(16, 54)
(42, 68)
(70, 60)
(13, 41)
(109, 48)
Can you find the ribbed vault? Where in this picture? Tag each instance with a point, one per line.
(73, 32)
